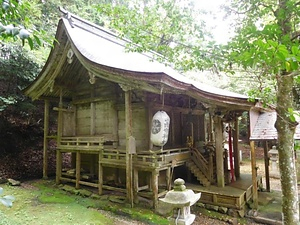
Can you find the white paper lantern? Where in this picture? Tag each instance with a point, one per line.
(160, 128)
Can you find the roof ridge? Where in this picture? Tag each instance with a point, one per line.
(68, 15)
(122, 41)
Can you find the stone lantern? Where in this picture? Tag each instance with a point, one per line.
(180, 200)
(273, 154)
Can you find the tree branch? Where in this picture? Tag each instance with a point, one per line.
(295, 34)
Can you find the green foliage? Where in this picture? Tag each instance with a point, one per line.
(18, 69)
(171, 28)
(267, 42)
(261, 43)
(17, 23)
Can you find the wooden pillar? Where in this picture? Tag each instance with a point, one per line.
(267, 172)
(226, 167)
(183, 138)
(60, 117)
(135, 185)
(155, 188)
(236, 153)
(173, 126)
(150, 115)
(92, 127)
(202, 127)
(115, 127)
(46, 133)
(59, 134)
(232, 175)
(92, 113)
(211, 166)
(210, 130)
(100, 175)
(168, 178)
(58, 166)
(78, 167)
(128, 125)
(254, 176)
(218, 127)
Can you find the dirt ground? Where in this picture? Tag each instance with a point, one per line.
(245, 166)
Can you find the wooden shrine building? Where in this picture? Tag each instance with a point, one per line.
(104, 98)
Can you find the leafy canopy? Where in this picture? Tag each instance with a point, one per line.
(174, 29)
(18, 20)
(266, 42)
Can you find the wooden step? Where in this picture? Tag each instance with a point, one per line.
(198, 174)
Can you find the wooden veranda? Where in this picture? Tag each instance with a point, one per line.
(234, 196)
(150, 163)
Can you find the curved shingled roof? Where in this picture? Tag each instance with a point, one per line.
(264, 128)
(104, 54)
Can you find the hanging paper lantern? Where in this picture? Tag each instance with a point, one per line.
(160, 128)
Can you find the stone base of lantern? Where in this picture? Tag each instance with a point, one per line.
(180, 221)
(274, 174)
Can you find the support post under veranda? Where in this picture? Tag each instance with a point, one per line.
(128, 123)
(218, 127)
(236, 152)
(254, 176)
(46, 133)
(267, 172)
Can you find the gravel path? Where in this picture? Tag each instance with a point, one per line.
(200, 220)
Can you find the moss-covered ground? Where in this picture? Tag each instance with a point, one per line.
(42, 202)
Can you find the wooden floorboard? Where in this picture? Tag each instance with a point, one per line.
(227, 190)
(243, 182)
(233, 195)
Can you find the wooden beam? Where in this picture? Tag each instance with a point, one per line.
(92, 99)
(45, 147)
(157, 106)
(117, 77)
(54, 69)
(236, 153)
(218, 125)
(267, 172)
(254, 176)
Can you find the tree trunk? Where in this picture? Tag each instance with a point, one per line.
(286, 129)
